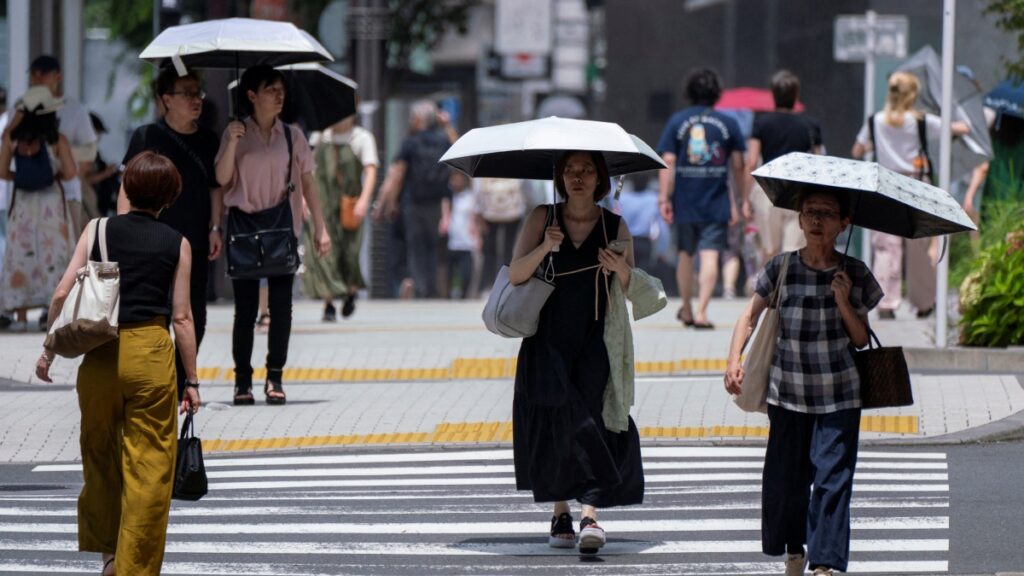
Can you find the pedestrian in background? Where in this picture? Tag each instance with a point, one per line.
(39, 244)
(252, 165)
(704, 148)
(195, 213)
(814, 402)
(76, 126)
(101, 185)
(346, 162)
(5, 320)
(499, 214)
(775, 134)
(899, 136)
(413, 189)
(564, 446)
(127, 389)
(463, 237)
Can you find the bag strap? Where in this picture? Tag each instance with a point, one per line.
(780, 281)
(162, 125)
(922, 137)
(871, 135)
(873, 340)
(288, 184)
(90, 235)
(103, 239)
(187, 427)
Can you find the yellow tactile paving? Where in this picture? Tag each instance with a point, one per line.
(490, 432)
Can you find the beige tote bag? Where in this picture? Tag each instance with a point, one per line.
(758, 365)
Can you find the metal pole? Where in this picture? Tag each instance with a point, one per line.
(156, 18)
(945, 153)
(869, 109)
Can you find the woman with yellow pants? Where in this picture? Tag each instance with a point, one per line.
(127, 388)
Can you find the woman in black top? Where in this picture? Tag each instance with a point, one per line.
(196, 213)
(562, 448)
(127, 388)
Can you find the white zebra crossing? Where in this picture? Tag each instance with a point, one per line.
(445, 512)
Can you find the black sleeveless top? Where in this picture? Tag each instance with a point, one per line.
(146, 252)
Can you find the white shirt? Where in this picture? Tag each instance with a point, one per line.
(363, 144)
(898, 145)
(4, 118)
(460, 231)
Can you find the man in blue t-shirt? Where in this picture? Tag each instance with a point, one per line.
(704, 147)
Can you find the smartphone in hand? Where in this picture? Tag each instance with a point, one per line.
(618, 246)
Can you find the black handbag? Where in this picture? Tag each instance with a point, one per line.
(263, 244)
(884, 376)
(189, 472)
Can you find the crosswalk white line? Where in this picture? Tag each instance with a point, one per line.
(651, 452)
(613, 548)
(480, 528)
(695, 569)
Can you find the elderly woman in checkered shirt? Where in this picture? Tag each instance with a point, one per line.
(813, 390)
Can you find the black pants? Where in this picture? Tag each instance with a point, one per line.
(247, 301)
(460, 266)
(422, 239)
(499, 243)
(197, 294)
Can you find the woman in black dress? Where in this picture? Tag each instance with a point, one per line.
(562, 448)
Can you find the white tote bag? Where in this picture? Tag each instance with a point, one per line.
(758, 365)
(89, 316)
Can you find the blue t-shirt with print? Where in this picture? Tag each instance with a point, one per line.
(703, 140)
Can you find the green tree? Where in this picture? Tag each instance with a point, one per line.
(1010, 17)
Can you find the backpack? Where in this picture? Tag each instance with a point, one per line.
(33, 173)
(922, 162)
(427, 178)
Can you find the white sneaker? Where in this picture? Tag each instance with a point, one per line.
(795, 564)
(592, 536)
(820, 571)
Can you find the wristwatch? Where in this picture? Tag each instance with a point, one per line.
(192, 384)
(214, 228)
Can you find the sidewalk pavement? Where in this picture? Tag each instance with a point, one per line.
(429, 374)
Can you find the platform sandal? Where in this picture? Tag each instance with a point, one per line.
(243, 396)
(562, 535)
(592, 536)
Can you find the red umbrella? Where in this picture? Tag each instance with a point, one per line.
(755, 99)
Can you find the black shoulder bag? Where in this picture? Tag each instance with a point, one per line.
(189, 472)
(263, 244)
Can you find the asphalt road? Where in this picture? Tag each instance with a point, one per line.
(921, 510)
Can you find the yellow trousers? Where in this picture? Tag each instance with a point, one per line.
(127, 392)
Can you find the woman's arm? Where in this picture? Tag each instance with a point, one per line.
(366, 196)
(184, 327)
(741, 333)
(78, 260)
(856, 326)
(226, 157)
(620, 264)
(529, 253)
(6, 151)
(216, 216)
(68, 166)
(312, 196)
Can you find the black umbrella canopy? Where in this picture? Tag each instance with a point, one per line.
(315, 97)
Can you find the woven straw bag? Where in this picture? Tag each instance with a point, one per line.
(884, 377)
(758, 365)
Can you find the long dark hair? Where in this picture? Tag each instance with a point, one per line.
(35, 127)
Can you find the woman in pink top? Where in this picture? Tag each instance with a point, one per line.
(252, 166)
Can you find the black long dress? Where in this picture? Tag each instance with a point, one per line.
(561, 448)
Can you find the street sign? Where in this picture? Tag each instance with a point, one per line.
(852, 38)
(523, 27)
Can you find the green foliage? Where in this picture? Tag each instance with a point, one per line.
(992, 295)
(1010, 17)
(422, 24)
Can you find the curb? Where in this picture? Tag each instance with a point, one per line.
(978, 360)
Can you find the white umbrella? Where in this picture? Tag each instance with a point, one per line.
(234, 43)
(881, 199)
(528, 150)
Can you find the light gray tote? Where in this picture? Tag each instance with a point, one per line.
(758, 366)
(513, 311)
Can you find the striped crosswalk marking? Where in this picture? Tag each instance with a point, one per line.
(443, 512)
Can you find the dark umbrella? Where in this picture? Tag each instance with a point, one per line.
(317, 97)
(1007, 98)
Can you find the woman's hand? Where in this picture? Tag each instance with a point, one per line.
(841, 285)
(43, 366)
(191, 401)
(323, 243)
(553, 237)
(613, 262)
(734, 378)
(236, 130)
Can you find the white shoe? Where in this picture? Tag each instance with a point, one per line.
(795, 564)
(592, 536)
(819, 571)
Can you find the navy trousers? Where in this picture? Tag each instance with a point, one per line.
(806, 450)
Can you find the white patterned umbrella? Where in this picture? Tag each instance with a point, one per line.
(881, 199)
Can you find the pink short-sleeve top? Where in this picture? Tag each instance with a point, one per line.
(261, 168)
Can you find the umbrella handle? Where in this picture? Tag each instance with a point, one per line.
(849, 237)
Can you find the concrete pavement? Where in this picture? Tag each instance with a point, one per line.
(428, 373)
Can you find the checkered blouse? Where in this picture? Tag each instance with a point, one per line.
(813, 370)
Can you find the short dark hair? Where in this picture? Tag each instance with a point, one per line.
(703, 87)
(785, 89)
(151, 182)
(255, 78)
(166, 79)
(44, 64)
(33, 127)
(603, 180)
(841, 198)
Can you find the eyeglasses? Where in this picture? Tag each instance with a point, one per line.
(190, 95)
(820, 214)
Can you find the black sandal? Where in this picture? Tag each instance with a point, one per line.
(274, 392)
(592, 536)
(243, 396)
(561, 526)
(687, 322)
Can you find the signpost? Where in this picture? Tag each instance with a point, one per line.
(860, 39)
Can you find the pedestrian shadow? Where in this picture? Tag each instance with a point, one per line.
(531, 546)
